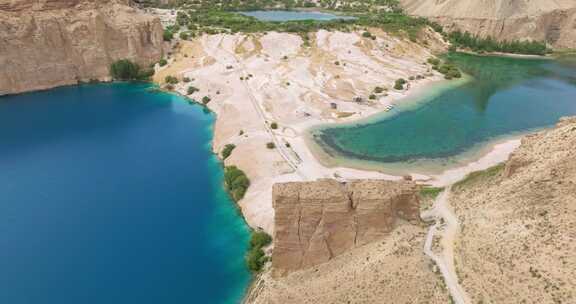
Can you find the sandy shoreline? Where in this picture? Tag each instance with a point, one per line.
(256, 79)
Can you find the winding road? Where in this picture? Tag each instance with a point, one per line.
(243, 74)
(446, 226)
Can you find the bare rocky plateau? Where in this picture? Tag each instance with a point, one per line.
(553, 21)
(45, 44)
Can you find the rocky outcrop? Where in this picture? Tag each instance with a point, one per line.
(553, 21)
(49, 43)
(316, 221)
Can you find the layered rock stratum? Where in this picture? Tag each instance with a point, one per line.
(50, 43)
(553, 21)
(316, 221)
(518, 227)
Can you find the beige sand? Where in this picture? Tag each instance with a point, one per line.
(257, 79)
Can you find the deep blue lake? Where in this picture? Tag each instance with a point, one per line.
(109, 194)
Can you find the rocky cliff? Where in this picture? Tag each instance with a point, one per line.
(49, 43)
(316, 221)
(553, 21)
(518, 225)
(348, 243)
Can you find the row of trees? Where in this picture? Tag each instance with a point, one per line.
(125, 69)
(489, 44)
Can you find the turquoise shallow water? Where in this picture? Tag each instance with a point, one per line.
(505, 96)
(110, 194)
(292, 15)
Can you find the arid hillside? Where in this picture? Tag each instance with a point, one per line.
(355, 242)
(44, 44)
(552, 21)
(518, 224)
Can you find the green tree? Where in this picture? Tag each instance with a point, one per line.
(228, 150)
(124, 69)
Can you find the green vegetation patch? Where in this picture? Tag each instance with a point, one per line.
(489, 44)
(430, 192)
(256, 258)
(125, 69)
(478, 175)
(220, 16)
(236, 182)
(228, 150)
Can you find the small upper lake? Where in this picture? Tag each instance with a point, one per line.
(293, 15)
(109, 193)
(506, 96)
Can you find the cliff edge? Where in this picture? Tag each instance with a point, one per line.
(50, 43)
(316, 221)
(354, 242)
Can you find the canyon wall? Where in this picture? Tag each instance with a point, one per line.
(316, 221)
(50, 43)
(553, 21)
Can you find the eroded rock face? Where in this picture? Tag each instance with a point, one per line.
(552, 21)
(44, 44)
(316, 221)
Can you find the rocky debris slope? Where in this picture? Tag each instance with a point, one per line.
(518, 224)
(353, 242)
(44, 44)
(390, 270)
(553, 21)
(317, 221)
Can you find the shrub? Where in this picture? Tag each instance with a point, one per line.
(372, 97)
(171, 79)
(168, 35)
(184, 36)
(192, 89)
(434, 61)
(206, 99)
(366, 34)
(270, 145)
(274, 126)
(227, 150)
(236, 182)
(162, 62)
(169, 87)
(256, 258)
(399, 84)
(378, 90)
(124, 69)
(260, 239)
(186, 79)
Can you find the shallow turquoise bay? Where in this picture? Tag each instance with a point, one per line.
(110, 194)
(506, 96)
